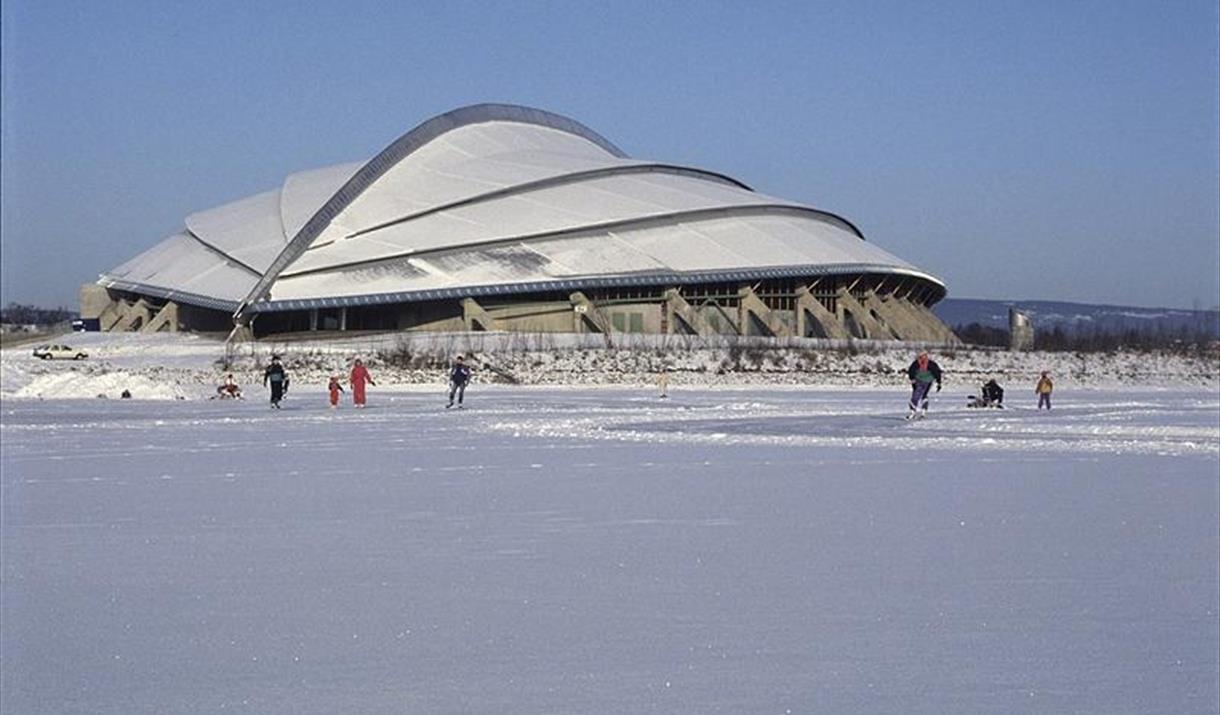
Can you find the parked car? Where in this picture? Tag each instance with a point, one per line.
(59, 352)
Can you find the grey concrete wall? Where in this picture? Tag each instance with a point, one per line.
(94, 300)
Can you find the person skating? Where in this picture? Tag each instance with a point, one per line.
(277, 378)
(923, 372)
(359, 377)
(1043, 390)
(458, 379)
(335, 387)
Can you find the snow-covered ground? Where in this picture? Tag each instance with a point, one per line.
(598, 550)
(190, 367)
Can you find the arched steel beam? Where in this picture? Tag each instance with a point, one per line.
(403, 147)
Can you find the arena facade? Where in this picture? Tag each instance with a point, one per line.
(506, 218)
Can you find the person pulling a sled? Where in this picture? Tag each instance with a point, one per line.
(278, 380)
(923, 372)
(359, 378)
(459, 377)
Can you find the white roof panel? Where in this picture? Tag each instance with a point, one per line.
(305, 192)
(182, 263)
(249, 230)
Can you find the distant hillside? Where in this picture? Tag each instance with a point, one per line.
(1073, 318)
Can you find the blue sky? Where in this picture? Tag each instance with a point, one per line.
(1032, 150)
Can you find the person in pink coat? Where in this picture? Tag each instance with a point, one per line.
(360, 376)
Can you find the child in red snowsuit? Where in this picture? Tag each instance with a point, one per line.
(360, 376)
(335, 388)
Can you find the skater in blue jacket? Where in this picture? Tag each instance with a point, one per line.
(923, 372)
(459, 377)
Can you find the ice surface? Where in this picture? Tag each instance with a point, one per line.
(599, 550)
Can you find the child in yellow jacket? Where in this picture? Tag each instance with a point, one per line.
(1043, 391)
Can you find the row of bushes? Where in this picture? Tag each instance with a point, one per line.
(18, 314)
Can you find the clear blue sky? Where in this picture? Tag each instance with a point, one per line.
(1037, 150)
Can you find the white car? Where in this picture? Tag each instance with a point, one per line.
(59, 352)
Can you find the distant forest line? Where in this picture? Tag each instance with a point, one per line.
(1056, 339)
(18, 314)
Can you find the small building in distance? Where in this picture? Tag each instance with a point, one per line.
(1020, 331)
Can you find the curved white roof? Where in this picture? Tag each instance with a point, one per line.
(491, 199)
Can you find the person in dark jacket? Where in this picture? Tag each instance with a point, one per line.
(923, 372)
(993, 394)
(277, 378)
(459, 377)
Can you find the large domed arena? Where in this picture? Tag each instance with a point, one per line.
(506, 218)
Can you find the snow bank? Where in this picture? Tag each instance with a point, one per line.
(105, 384)
(184, 366)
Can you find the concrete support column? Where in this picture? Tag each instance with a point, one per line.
(844, 300)
(810, 308)
(313, 319)
(902, 324)
(133, 316)
(678, 309)
(111, 315)
(749, 304)
(475, 317)
(94, 300)
(930, 326)
(942, 331)
(909, 324)
(165, 319)
(585, 312)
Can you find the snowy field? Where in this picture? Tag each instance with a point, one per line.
(189, 367)
(597, 550)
